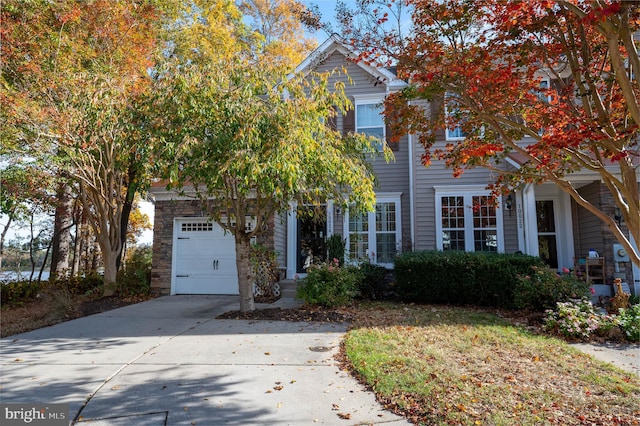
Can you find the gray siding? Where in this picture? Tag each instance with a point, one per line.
(589, 232)
(437, 174)
(280, 238)
(392, 176)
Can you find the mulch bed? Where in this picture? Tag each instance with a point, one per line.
(301, 314)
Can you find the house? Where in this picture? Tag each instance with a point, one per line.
(417, 208)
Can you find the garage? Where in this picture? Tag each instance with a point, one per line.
(204, 258)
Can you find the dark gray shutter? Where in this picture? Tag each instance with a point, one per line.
(349, 122)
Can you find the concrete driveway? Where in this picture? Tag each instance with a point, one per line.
(168, 361)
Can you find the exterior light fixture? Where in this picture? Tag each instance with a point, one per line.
(617, 215)
(508, 203)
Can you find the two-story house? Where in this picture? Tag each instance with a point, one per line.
(417, 208)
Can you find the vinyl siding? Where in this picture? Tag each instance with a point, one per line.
(280, 238)
(437, 174)
(590, 227)
(392, 176)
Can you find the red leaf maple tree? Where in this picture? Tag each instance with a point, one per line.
(551, 83)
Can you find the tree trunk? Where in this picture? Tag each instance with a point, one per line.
(109, 258)
(243, 264)
(126, 213)
(62, 232)
(2, 237)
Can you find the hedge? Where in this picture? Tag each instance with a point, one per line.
(460, 278)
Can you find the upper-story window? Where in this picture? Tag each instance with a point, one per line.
(543, 92)
(369, 119)
(451, 109)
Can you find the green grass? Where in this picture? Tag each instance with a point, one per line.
(444, 365)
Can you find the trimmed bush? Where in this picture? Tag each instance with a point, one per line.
(329, 285)
(373, 281)
(460, 278)
(335, 248)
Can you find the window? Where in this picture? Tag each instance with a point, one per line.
(451, 110)
(453, 223)
(375, 236)
(542, 93)
(466, 220)
(369, 120)
(196, 227)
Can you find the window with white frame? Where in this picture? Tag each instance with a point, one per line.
(543, 92)
(375, 236)
(468, 221)
(451, 110)
(370, 119)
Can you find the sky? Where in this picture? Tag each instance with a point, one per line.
(328, 11)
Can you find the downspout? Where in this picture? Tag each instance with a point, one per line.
(412, 212)
(520, 220)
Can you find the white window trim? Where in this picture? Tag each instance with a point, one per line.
(367, 100)
(548, 81)
(388, 197)
(292, 237)
(466, 191)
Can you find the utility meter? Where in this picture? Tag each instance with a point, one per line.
(620, 254)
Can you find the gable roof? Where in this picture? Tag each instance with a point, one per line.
(334, 44)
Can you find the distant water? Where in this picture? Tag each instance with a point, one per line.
(24, 275)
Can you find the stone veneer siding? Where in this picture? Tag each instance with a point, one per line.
(165, 212)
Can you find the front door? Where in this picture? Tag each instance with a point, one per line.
(547, 238)
(311, 237)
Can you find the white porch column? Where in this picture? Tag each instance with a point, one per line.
(529, 220)
(292, 219)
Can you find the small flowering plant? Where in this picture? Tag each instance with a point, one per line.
(577, 320)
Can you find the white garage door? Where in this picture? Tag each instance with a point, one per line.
(204, 258)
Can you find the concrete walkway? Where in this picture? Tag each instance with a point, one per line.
(624, 356)
(168, 361)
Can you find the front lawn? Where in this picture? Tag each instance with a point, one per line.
(441, 365)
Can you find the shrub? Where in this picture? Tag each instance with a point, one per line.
(576, 320)
(134, 278)
(15, 293)
(543, 287)
(629, 322)
(336, 248)
(78, 284)
(485, 279)
(329, 285)
(373, 281)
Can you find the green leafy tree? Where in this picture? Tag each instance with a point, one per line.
(249, 143)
